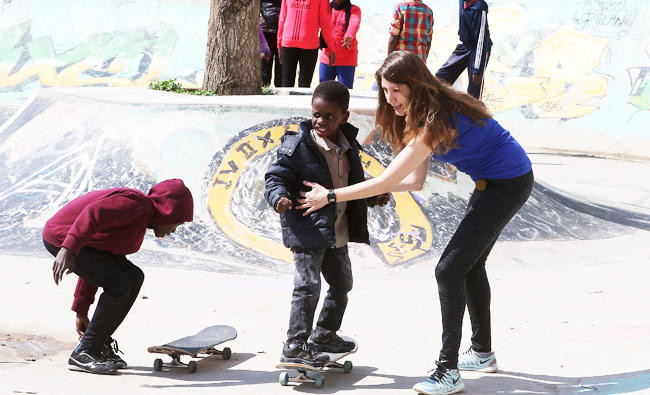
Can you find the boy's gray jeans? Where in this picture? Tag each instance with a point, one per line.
(334, 263)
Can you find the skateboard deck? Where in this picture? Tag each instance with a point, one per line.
(196, 346)
(303, 370)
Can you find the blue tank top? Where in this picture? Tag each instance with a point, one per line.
(488, 152)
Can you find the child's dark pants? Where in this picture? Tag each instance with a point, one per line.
(121, 281)
(334, 263)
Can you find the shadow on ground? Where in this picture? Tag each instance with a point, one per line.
(506, 382)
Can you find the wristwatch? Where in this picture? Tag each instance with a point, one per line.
(331, 196)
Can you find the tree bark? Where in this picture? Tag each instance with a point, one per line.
(232, 59)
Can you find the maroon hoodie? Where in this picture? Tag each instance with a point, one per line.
(115, 220)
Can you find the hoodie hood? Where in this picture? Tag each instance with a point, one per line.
(172, 202)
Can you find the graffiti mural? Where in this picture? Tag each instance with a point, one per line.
(126, 58)
(640, 92)
(222, 152)
(554, 60)
(403, 240)
(100, 43)
(555, 79)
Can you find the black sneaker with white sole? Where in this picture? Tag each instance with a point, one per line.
(329, 341)
(300, 353)
(85, 361)
(110, 353)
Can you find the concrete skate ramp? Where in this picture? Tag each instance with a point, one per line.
(64, 142)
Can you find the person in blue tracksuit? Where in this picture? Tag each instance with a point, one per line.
(474, 50)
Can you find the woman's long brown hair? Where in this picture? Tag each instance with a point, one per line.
(432, 106)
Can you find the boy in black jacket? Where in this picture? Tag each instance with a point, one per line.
(473, 51)
(324, 150)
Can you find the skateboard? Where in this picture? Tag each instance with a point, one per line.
(318, 379)
(201, 343)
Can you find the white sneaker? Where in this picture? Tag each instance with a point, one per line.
(478, 362)
(442, 382)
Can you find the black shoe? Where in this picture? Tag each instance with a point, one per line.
(299, 353)
(86, 361)
(110, 353)
(329, 341)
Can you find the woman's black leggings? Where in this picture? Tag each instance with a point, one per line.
(461, 276)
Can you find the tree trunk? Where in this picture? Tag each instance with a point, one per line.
(232, 59)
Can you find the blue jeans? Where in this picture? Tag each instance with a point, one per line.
(334, 263)
(344, 73)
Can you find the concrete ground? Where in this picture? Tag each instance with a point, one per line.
(568, 316)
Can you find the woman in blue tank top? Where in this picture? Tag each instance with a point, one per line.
(421, 116)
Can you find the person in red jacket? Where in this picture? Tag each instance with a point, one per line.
(298, 43)
(346, 19)
(91, 236)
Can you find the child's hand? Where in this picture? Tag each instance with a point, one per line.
(63, 263)
(283, 205)
(382, 199)
(82, 323)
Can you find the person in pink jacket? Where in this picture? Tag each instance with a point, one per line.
(298, 43)
(91, 236)
(346, 19)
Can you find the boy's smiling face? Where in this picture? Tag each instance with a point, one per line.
(327, 117)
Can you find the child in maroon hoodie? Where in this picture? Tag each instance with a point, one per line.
(91, 235)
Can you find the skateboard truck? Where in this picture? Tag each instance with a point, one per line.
(191, 366)
(318, 380)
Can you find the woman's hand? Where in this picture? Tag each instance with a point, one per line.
(314, 199)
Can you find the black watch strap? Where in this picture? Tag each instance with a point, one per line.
(331, 196)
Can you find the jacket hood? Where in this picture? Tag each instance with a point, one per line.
(172, 201)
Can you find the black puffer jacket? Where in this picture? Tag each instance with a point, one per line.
(270, 11)
(300, 160)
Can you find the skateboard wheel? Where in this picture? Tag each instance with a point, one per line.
(319, 381)
(226, 353)
(157, 365)
(347, 367)
(191, 367)
(284, 378)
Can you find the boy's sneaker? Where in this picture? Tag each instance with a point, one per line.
(300, 353)
(110, 353)
(329, 341)
(443, 381)
(86, 361)
(478, 361)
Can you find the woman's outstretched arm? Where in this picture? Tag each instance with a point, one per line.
(407, 171)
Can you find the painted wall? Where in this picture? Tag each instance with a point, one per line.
(135, 138)
(565, 75)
